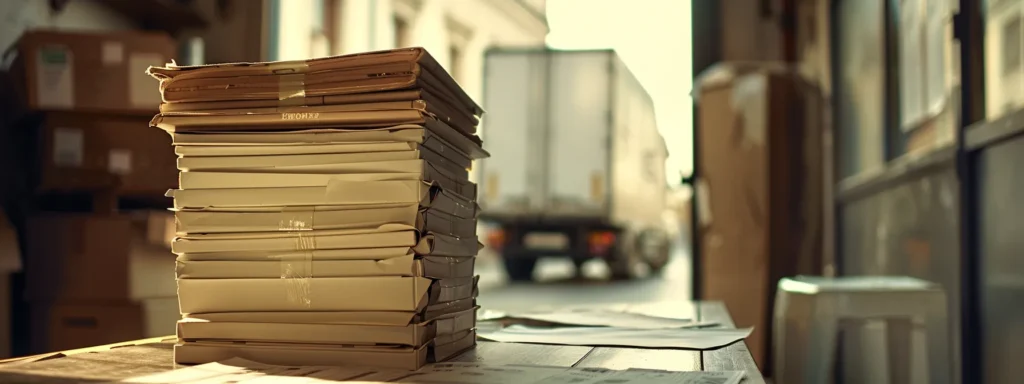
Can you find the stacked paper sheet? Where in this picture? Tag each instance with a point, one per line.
(324, 211)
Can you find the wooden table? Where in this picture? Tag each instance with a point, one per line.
(142, 357)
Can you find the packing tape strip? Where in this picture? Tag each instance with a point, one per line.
(291, 84)
(297, 269)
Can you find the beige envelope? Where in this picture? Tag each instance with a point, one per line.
(324, 218)
(196, 151)
(392, 318)
(195, 329)
(385, 236)
(384, 356)
(437, 267)
(373, 126)
(315, 254)
(465, 123)
(302, 293)
(369, 72)
(442, 107)
(460, 152)
(242, 163)
(338, 193)
(322, 175)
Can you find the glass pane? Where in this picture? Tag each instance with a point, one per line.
(860, 95)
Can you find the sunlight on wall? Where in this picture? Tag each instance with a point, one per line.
(653, 38)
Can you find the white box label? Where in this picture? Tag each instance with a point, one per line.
(112, 53)
(120, 161)
(68, 147)
(55, 80)
(142, 89)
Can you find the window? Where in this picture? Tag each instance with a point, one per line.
(455, 67)
(401, 32)
(323, 28)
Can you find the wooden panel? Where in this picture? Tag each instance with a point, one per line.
(625, 358)
(735, 357)
(524, 354)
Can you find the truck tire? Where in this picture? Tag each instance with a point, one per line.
(657, 257)
(520, 269)
(625, 260)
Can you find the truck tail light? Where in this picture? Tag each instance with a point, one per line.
(496, 239)
(601, 242)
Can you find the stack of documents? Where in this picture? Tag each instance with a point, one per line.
(324, 211)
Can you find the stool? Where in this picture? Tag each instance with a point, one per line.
(808, 311)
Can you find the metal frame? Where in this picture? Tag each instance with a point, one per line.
(706, 42)
(968, 27)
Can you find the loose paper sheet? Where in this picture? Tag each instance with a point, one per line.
(602, 319)
(622, 337)
(248, 372)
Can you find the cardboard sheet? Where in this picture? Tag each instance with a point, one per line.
(319, 294)
(437, 267)
(620, 337)
(415, 335)
(308, 354)
(599, 318)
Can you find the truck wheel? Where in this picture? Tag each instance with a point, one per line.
(624, 261)
(520, 269)
(657, 256)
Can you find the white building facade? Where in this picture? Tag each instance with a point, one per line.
(456, 32)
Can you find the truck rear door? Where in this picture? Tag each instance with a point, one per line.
(579, 126)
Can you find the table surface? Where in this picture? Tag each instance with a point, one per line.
(142, 357)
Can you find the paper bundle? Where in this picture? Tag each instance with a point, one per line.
(324, 212)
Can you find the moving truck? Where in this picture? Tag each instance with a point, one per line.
(577, 166)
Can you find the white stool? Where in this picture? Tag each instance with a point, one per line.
(808, 311)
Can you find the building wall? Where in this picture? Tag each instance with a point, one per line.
(17, 16)
(437, 25)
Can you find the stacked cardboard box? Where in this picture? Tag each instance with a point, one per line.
(324, 212)
(82, 145)
(98, 279)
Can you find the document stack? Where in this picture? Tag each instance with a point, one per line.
(324, 211)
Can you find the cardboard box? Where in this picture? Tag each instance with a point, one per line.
(759, 189)
(63, 326)
(98, 257)
(89, 71)
(100, 152)
(384, 356)
(301, 293)
(414, 335)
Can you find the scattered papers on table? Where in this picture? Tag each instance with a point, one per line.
(597, 318)
(247, 372)
(621, 337)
